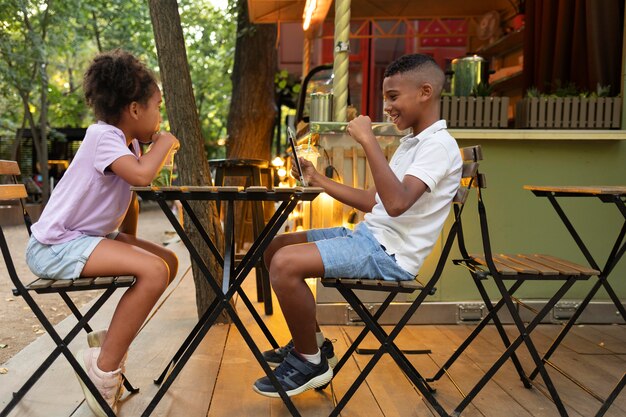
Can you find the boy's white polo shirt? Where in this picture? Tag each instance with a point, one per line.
(432, 156)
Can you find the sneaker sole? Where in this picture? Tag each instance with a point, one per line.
(316, 382)
(89, 398)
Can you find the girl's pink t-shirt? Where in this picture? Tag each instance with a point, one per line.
(90, 199)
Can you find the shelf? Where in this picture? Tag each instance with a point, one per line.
(508, 43)
(508, 83)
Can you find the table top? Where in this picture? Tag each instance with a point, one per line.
(202, 192)
(578, 190)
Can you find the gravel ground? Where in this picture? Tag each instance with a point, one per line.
(18, 325)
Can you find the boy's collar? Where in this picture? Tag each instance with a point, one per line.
(430, 130)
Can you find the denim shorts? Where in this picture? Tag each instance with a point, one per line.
(355, 254)
(62, 260)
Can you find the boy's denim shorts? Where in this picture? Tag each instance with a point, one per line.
(62, 260)
(355, 254)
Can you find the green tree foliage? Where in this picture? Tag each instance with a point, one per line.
(45, 47)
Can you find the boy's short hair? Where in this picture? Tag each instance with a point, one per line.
(418, 63)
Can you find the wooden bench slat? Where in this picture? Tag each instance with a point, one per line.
(582, 268)
(83, 282)
(502, 269)
(126, 279)
(40, 283)
(62, 283)
(543, 270)
(523, 269)
(103, 280)
(12, 191)
(563, 270)
(9, 168)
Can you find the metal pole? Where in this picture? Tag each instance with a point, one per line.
(623, 80)
(342, 61)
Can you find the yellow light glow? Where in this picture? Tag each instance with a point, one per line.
(309, 9)
(278, 162)
(299, 228)
(282, 172)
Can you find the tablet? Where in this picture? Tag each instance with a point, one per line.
(292, 140)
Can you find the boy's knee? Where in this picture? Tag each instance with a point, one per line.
(283, 270)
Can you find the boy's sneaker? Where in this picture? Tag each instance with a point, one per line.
(275, 357)
(296, 375)
(107, 383)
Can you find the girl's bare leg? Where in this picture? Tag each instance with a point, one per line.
(113, 257)
(167, 255)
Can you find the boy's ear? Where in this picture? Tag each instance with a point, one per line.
(427, 90)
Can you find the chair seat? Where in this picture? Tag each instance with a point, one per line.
(44, 286)
(539, 265)
(374, 284)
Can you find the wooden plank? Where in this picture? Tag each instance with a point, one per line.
(40, 284)
(103, 280)
(9, 167)
(584, 269)
(563, 270)
(394, 394)
(62, 283)
(542, 269)
(12, 191)
(523, 269)
(502, 268)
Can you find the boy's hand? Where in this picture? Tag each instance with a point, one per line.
(308, 170)
(361, 129)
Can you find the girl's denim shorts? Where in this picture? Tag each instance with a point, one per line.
(62, 260)
(355, 254)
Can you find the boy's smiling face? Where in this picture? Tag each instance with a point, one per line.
(402, 94)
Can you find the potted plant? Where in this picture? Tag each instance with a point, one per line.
(569, 108)
(478, 110)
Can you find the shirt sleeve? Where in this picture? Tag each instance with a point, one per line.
(431, 164)
(111, 146)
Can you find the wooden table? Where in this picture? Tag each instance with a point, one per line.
(606, 194)
(233, 276)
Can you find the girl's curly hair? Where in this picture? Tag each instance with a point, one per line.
(114, 80)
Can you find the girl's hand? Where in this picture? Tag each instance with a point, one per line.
(167, 137)
(361, 129)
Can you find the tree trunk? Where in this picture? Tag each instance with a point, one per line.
(182, 114)
(253, 105)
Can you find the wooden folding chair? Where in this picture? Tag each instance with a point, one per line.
(346, 287)
(17, 191)
(512, 271)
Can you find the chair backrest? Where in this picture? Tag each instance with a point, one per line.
(469, 178)
(12, 191)
(8, 192)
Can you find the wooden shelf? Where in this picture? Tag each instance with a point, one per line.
(508, 83)
(507, 43)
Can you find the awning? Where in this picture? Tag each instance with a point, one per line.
(272, 11)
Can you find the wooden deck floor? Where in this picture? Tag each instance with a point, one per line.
(217, 380)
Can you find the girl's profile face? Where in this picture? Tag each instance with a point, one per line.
(149, 119)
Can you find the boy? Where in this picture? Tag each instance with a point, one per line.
(406, 209)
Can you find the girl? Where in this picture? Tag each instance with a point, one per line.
(88, 227)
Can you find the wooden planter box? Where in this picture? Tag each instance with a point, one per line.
(475, 112)
(569, 113)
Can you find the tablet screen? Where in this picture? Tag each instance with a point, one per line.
(292, 141)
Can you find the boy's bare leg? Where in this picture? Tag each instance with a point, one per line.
(289, 266)
(112, 257)
(280, 241)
